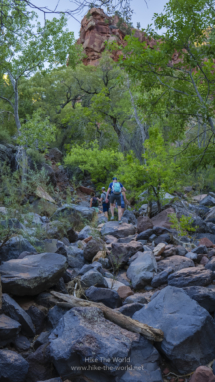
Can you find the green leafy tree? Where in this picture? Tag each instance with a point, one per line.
(177, 76)
(37, 132)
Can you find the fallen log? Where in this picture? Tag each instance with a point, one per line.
(117, 318)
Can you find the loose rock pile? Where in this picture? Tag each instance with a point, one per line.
(139, 269)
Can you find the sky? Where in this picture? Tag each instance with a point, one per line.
(142, 13)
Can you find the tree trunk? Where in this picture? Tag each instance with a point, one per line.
(113, 316)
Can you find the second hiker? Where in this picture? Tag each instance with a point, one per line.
(115, 188)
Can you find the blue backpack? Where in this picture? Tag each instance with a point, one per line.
(116, 188)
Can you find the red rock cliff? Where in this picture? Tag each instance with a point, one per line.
(96, 28)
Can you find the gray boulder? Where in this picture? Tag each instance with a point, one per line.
(145, 235)
(161, 278)
(204, 296)
(95, 266)
(14, 247)
(41, 339)
(190, 277)
(211, 264)
(75, 257)
(108, 297)
(9, 329)
(13, 367)
(192, 256)
(143, 224)
(200, 250)
(54, 315)
(14, 311)
(176, 262)
(211, 215)
(92, 248)
(21, 343)
(84, 337)
(74, 213)
(121, 253)
(129, 309)
(85, 232)
(208, 201)
(117, 230)
(40, 365)
(142, 269)
(185, 324)
(129, 217)
(135, 298)
(33, 274)
(92, 278)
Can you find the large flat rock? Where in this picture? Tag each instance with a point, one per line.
(118, 230)
(189, 330)
(191, 277)
(72, 212)
(84, 337)
(32, 275)
(176, 262)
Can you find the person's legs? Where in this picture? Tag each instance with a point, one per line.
(118, 200)
(112, 206)
(119, 213)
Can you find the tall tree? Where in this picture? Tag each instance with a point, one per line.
(177, 75)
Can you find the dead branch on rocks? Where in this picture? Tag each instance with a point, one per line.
(115, 317)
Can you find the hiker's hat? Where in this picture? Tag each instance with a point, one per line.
(114, 178)
(103, 188)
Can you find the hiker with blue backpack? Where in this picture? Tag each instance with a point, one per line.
(115, 189)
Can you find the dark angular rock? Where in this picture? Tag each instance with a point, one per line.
(54, 315)
(164, 238)
(75, 257)
(130, 309)
(204, 296)
(74, 212)
(211, 264)
(14, 247)
(180, 250)
(202, 249)
(199, 225)
(203, 374)
(95, 266)
(191, 277)
(144, 235)
(46, 299)
(60, 286)
(32, 275)
(93, 278)
(21, 343)
(176, 262)
(92, 248)
(41, 340)
(38, 318)
(171, 307)
(85, 233)
(161, 278)
(13, 367)
(57, 379)
(142, 269)
(40, 365)
(9, 329)
(122, 252)
(117, 230)
(84, 333)
(129, 217)
(14, 311)
(108, 297)
(208, 201)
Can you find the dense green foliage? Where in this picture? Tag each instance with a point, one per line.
(149, 119)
